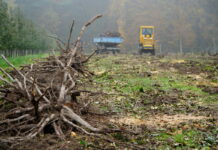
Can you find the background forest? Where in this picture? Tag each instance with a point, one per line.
(19, 33)
(181, 25)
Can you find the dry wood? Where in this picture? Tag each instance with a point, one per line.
(39, 93)
(70, 35)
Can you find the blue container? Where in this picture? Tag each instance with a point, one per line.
(114, 40)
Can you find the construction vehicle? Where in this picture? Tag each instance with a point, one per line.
(108, 42)
(147, 40)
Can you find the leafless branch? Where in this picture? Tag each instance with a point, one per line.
(70, 35)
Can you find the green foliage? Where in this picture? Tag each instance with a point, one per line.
(17, 32)
(85, 144)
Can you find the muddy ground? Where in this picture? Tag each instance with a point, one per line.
(166, 102)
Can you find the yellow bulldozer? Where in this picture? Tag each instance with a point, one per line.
(147, 40)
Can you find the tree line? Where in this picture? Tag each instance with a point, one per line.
(19, 33)
(181, 25)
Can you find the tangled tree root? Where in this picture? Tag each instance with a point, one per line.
(44, 94)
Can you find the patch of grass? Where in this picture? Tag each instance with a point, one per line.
(85, 144)
(163, 136)
(136, 85)
(21, 60)
(168, 84)
(188, 139)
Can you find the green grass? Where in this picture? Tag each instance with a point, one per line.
(134, 84)
(123, 76)
(21, 60)
(167, 84)
(188, 139)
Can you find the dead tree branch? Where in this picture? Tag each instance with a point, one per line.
(43, 94)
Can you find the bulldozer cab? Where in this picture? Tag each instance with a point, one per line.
(147, 31)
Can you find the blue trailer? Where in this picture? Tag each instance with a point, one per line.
(107, 44)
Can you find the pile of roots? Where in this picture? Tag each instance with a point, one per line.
(44, 94)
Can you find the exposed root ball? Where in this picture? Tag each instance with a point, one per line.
(38, 97)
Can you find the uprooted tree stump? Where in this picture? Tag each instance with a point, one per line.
(40, 93)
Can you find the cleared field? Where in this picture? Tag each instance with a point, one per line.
(160, 103)
(171, 101)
